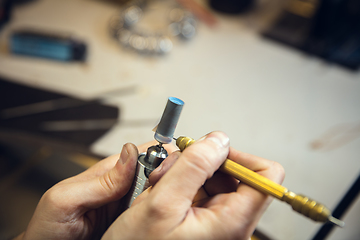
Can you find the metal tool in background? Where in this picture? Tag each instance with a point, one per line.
(124, 27)
(300, 203)
(154, 155)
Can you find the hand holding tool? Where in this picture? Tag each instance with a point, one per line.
(300, 203)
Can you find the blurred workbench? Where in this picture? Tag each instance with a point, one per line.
(271, 100)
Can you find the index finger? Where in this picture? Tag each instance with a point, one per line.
(175, 191)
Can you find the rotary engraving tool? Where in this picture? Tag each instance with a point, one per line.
(154, 155)
(300, 203)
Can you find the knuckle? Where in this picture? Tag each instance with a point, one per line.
(279, 170)
(206, 156)
(157, 209)
(54, 197)
(201, 162)
(107, 182)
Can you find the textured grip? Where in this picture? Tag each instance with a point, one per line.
(307, 207)
(184, 142)
(140, 184)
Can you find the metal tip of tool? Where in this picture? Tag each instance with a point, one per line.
(336, 221)
(175, 138)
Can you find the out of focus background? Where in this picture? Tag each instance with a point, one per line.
(79, 78)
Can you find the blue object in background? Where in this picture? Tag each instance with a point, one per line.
(55, 47)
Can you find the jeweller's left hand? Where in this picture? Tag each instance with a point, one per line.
(84, 206)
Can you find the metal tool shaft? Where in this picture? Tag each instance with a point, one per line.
(140, 184)
(302, 204)
(146, 163)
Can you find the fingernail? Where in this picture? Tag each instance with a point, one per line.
(220, 138)
(170, 159)
(204, 137)
(124, 155)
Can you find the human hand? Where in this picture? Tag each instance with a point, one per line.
(192, 201)
(84, 206)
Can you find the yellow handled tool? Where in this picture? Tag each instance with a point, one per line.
(302, 204)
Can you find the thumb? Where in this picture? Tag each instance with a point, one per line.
(110, 186)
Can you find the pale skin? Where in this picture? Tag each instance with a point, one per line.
(189, 198)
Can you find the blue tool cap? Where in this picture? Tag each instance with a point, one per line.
(166, 128)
